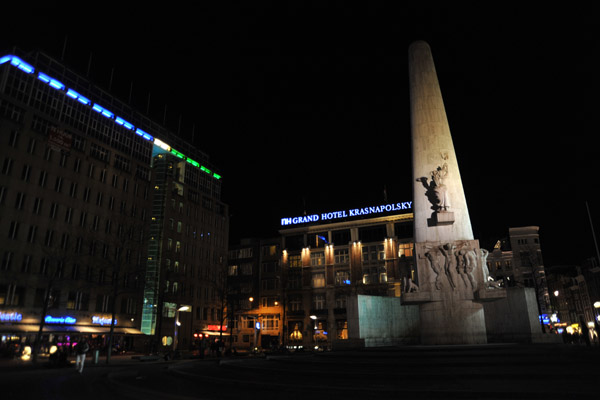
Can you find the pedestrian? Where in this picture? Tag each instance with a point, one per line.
(585, 332)
(81, 349)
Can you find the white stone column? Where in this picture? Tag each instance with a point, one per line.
(448, 258)
(433, 150)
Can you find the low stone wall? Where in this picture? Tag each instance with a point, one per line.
(515, 319)
(382, 321)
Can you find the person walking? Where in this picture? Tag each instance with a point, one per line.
(81, 348)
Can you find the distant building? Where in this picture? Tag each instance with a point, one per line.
(255, 284)
(591, 272)
(569, 295)
(518, 262)
(101, 209)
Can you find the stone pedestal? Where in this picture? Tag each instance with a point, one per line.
(452, 288)
(452, 321)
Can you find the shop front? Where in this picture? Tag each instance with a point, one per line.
(61, 332)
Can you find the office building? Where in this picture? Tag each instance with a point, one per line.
(101, 210)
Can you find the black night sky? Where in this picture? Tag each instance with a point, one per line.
(303, 106)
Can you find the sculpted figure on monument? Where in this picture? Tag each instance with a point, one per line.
(484, 267)
(462, 270)
(487, 279)
(451, 264)
(441, 192)
(470, 263)
(410, 286)
(436, 267)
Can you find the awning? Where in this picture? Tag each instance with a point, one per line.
(32, 328)
(214, 333)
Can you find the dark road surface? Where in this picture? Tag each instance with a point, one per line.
(415, 372)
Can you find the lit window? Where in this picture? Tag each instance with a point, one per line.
(318, 280)
(317, 258)
(405, 250)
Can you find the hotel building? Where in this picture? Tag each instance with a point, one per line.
(299, 282)
(105, 216)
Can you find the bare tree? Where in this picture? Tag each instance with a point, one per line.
(54, 263)
(221, 289)
(122, 256)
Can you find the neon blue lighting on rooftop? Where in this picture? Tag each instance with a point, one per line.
(17, 62)
(23, 66)
(43, 77)
(51, 81)
(102, 110)
(143, 134)
(74, 95)
(124, 123)
(56, 84)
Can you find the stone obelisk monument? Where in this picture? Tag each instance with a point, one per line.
(451, 268)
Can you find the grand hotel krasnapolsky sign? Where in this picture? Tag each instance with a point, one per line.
(353, 212)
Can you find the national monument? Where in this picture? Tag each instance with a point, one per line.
(451, 268)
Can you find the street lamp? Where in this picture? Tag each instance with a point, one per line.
(255, 325)
(177, 324)
(314, 318)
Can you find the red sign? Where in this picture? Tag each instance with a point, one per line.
(216, 328)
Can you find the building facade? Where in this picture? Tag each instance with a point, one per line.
(292, 290)
(106, 217)
(517, 261)
(254, 291)
(323, 264)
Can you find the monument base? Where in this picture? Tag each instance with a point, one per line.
(453, 321)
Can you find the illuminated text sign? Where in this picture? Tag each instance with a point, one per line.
(216, 327)
(60, 320)
(101, 320)
(11, 316)
(353, 212)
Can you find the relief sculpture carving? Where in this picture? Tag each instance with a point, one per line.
(436, 267)
(455, 263)
(451, 265)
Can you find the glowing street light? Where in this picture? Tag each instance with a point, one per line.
(314, 318)
(177, 325)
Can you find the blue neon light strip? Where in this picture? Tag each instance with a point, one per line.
(143, 134)
(17, 62)
(23, 66)
(98, 108)
(124, 123)
(74, 95)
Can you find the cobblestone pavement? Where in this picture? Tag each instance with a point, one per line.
(419, 372)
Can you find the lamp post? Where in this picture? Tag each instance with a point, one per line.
(314, 318)
(255, 324)
(597, 319)
(177, 324)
